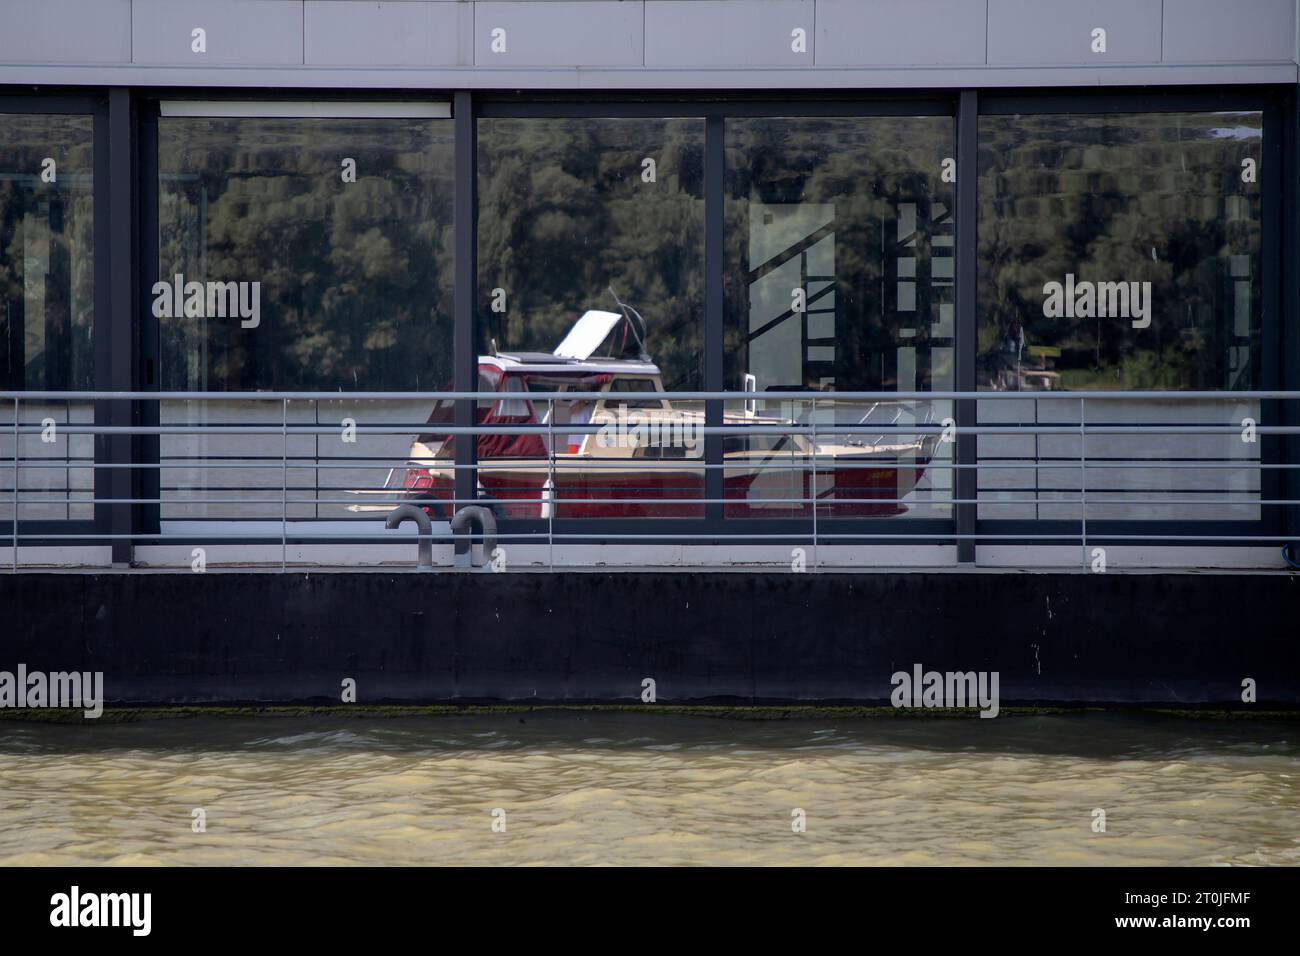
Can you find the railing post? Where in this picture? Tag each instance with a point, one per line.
(813, 495)
(15, 556)
(551, 502)
(284, 484)
(1083, 481)
(1038, 471)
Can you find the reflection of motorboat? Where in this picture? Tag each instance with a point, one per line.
(644, 457)
(1011, 371)
(1024, 380)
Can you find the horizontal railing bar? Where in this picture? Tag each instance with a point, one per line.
(823, 503)
(497, 464)
(737, 430)
(827, 503)
(541, 537)
(821, 397)
(559, 501)
(690, 465)
(624, 431)
(407, 496)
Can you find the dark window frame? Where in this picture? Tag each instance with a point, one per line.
(95, 104)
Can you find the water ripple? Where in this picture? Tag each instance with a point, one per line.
(632, 789)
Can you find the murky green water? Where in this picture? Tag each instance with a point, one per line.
(641, 789)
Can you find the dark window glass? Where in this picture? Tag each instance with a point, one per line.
(839, 277)
(355, 278)
(47, 253)
(353, 292)
(1147, 227)
(568, 208)
(853, 214)
(1119, 252)
(47, 308)
(632, 385)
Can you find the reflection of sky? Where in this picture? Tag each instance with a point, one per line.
(1236, 132)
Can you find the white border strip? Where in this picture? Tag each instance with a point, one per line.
(307, 109)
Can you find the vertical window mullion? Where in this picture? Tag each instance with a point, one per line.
(102, 379)
(150, 371)
(118, 372)
(465, 374)
(965, 484)
(1271, 450)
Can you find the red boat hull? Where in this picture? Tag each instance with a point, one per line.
(851, 489)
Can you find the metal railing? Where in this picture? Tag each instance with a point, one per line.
(251, 471)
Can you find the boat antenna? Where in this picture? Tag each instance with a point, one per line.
(637, 324)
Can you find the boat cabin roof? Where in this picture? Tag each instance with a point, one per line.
(549, 364)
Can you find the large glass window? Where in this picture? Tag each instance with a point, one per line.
(47, 306)
(1119, 252)
(47, 252)
(570, 208)
(347, 227)
(579, 217)
(839, 277)
(299, 254)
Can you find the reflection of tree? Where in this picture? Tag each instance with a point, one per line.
(1150, 197)
(564, 215)
(46, 252)
(356, 277)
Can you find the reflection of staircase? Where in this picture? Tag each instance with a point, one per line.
(792, 249)
(763, 269)
(818, 350)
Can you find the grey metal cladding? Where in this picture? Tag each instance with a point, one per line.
(66, 31)
(1026, 32)
(365, 32)
(238, 32)
(559, 33)
(647, 44)
(900, 32)
(730, 33)
(1229, 31)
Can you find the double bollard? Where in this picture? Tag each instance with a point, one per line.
(461, 524)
